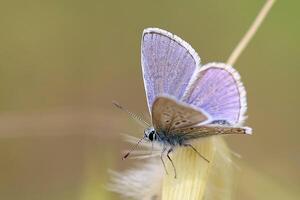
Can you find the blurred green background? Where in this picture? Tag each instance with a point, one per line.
(63, 62)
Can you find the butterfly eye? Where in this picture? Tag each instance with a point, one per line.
(152, 136)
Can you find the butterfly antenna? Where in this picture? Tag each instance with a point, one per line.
(133, 148)
(132, 115)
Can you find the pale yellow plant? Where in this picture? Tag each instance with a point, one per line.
(198, 179)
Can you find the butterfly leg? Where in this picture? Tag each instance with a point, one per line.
(192, 147)
(162, 160)
(169, 151)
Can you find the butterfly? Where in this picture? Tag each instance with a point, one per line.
(187, 101)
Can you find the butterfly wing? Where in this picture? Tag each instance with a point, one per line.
(217, 89)
(168, 64)
(169, 115)
(189, 133)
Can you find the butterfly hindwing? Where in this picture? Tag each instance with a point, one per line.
(168, 64)
(189, 133)
(169, 115)
(218, 90)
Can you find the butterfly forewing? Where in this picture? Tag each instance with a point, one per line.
(168, 64)
(169, 115)
(217, 89)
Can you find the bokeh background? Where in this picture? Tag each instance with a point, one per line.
(63, 62)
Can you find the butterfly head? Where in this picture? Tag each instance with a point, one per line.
(150, 134)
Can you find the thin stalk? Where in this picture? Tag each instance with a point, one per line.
(251, 32)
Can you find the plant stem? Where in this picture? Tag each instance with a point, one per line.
(250, 33)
